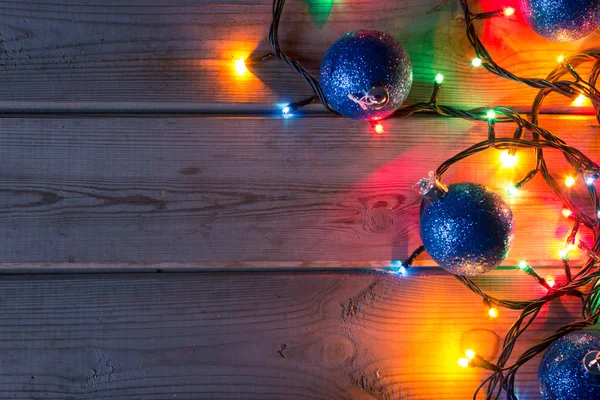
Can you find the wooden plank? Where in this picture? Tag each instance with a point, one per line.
(179, 54)
(243, 192)
(254, 336)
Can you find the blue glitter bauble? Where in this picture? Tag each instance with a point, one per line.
(562, 20)
(562, 374)
(362, 65)
(469, 231)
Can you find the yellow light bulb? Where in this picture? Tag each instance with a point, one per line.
(509, 12)
(580, 101)
(569, 181)
(470, 354)
(379, 129)
(563, 253)
(550, 281)
(508, 160)
(493, 312)
(476, 62)
(560, 59)
(463, 362)
(566, 212)
(240, 67)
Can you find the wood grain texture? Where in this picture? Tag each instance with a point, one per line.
(179, 54)
(246, 191)
(244, 336)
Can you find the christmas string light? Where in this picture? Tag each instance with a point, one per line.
(276, 51)
(578, 89)
(390, 84)
(509, 158)
(503, 379)
(503, 376)
(531, 272)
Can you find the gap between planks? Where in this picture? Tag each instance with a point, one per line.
(312, 267)
(28, 108)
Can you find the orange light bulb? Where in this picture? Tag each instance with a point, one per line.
(240, 67)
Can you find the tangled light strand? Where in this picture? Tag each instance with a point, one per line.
(503, 376)
(585, 284)
(552, 83)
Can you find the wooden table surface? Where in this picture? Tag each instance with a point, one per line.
(129, 146)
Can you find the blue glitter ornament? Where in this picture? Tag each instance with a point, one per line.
(366, 75)
(570, 368)
(562, 20)
(466, 228)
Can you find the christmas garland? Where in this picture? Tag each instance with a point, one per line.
(480, 210)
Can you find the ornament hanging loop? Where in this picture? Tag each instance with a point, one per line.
(377, 98)
(591, 362)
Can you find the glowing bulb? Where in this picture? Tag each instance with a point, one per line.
(563, 253)
(508, 160)
(491, 115)
(286, 110)
(401, 268)
(463, 362)
(523, 264)
(550, 281)
(509, 12)
(580, 101)
(566, 212)
(512, 190)
(590, 180)
(476, 62)
(439, 78)
(569, 181)
(378, 129)
(240, 67)
(493, 312)
(470, 354)
(560, 59)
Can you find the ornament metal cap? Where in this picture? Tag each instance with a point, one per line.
(431, 188)
(591, 362)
